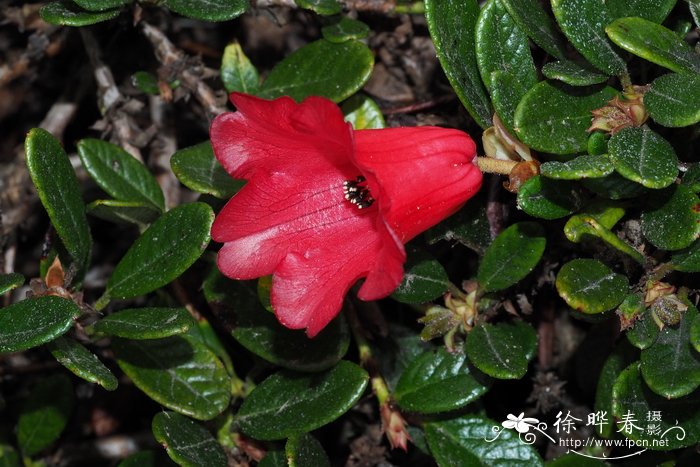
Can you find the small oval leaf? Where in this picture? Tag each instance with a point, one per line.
(304, 450)
(288, 403)
(502, 350)
(35, 321)
(209, 10)
(83, 363)
(65, 13)
(363, 113)
(124, 212)
(100, 5)
(10, 281)
(674, 99)
(589, 286)
(687, 259)
(643, 156)
(186, 441)
(548, 199)
(673, 220)
(537, 24)
(344, 30)
(145, 323)
(424, 279)
(237, 72)
(197, 169)
(572, 73)
(579, 167)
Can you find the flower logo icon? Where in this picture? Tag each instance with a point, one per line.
(520, 423)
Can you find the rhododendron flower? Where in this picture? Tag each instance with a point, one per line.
(325, 206)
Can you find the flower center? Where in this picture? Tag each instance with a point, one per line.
(357, 192)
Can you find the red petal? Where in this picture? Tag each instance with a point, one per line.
(420, 175)
(271, 136)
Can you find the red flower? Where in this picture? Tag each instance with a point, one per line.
(325, 205)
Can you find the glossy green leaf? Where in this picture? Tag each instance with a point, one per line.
(305, 451)
(644, 332)
(67, 13)
(100, 5)
(289, 403)
(177, 372)
(345, 29)
(502, 46)
(439, 381)
(672, 221)
(694, 6)
(537, 24)
(579, 167)
(35, 321)
(363, 113)
(321, 68)
(554, 118)
(59, 192)
(118, 173)
(632, 398)
(643, 156)
(397, 351)
(9, 457)
(81, 362)
(621, 356)
(583, 22)
(463, 442)
(548, 199)
(671, 366)
(655, 11)
(10, 281)
(124, 212)
(45, 413)
(197, 169)
(208, 10)
(614, 186)
(322, 7)
(187, 442)
(512, 256)
(237, 72)
(146, 82)
(259, 331)
(572, 73)
(274, 459)
(674, 99)
(589, 286)
(163, 252)
(655, 43)
(691, 177)
(502, 350)
(145, 323)
(452, 27)
(687, 259)
(506, 92)
(469, 226)
(695, 333)
(424, 279)
(597, 143)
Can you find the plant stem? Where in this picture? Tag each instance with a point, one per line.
(495, 166)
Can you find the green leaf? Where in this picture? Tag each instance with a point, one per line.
(462, 442)
(208, 10)
(101, 5)
(321, 68)
(45, 413)
(288, 403)
(502, 350)
(695, 333)
(438, 381)
(124, 212)
(9, 457)
(305, 451)
(35, 321)
(621, 356)
(424, 279)
(632, 398)
(671, 366)
(197, 169)
(66, 13)
(322, 7)
(237, 73)
(452, 27)
(583, 22)
(502, 46)
(145, 323)
(614, 186)
(589, 286)
(146, 82)
(673, 221)
(655, 11)
(10, 281)
(83, 363)
(260, 332)
(119, 174)
(186, 441)
(579, 167)
(597, 143)
(572, 73)
(344, 30)
(512, 256)
(164, 251)
(274, 459)
(692, 176)
(674, 99)
(694, 6)
(59, 192)
(654, 43)
(644, 332)
(397, 351)
(548, 199)
(537, 24)
(469, 226)
(363, 113)
(643, 156)
(554, 118)
(506, 92)
(177, 372)
(687, 259)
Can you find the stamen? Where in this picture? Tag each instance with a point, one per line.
(357, 193)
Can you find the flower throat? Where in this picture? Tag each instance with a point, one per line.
(357, 192)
